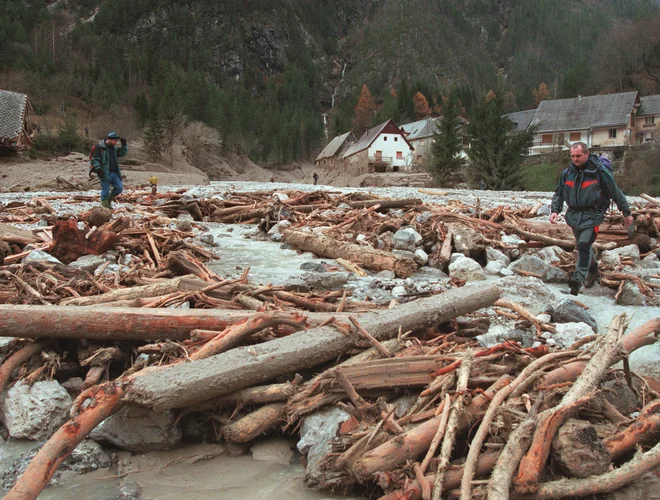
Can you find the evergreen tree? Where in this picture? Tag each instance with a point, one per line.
(154, 138)
(495, 155)
(447, 164)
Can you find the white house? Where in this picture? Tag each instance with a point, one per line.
(598, 120)
(647, 121)
(380, 149)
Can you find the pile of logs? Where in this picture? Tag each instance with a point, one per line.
(248, 359)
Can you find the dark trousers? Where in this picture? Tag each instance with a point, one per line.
(584, 240)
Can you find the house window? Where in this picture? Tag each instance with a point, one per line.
(612, 133)
(649, 120)
(575, 136)
(399, 155)
(396, 139)
(384, 137)
(421, 143)
(546, 139)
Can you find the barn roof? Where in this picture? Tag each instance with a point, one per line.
(334, 146)
(12, 107)
(582, 113)
(649, 105)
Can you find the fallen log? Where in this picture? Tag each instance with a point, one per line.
(412, 444)
(253, 424)
(184, 384)
(593, 485)
(103, 400)
(452, 479)
(571, 371)
(180, 284)
(645, 430)
(119, 323)
(375, 260)
(549, 421)
(234, 334)
(18, 358)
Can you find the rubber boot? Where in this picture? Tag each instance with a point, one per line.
(105, 203)
(574, 287)
(592, 277)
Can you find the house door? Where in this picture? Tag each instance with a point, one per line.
(379, 156)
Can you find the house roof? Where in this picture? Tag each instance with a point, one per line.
(334, 146)
(649, 105)
(421, 128)
(12, 107)
(370, 136)
(427, 127)
(583, 113)
(521, 119)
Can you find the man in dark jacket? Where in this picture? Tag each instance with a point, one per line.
(586, 187)
(105, 164)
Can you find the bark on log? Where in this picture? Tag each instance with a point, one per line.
(180, 284)
(188, 383)
(18, 358)
(253, 424)
(594, 485)
(452, 479)
(645, 430)
(366, 257)
(571, 371)
(105, 400)
(120, 323)
(416, 441)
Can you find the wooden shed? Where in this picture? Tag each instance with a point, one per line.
(16, 130)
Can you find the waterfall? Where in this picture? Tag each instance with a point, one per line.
(325, 123)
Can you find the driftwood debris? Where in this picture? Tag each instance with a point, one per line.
(368, 258)
(155, 325)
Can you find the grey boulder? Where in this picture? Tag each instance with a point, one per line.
(406, 239)
(466, 269)
(534, 265)
(568, 311)
(35, 411)
(139, 430)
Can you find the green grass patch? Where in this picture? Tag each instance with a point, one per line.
(539, 177)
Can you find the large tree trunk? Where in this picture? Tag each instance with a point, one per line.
(188, 383)
(367, 257)
(181, 284)
(120, 323)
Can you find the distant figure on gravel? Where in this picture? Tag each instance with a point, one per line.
(587, 186)
(316, 178)
(105, 163)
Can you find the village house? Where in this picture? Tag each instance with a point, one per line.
(521, 120)
(16, 131)
(600, 121)
(420, 135)
(333, 152)
(383, 148)
(647, 121)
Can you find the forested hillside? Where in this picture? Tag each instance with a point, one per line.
(263, 72)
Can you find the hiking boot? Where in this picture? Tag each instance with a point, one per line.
(574, 287)
(105, 203)
(592, 277)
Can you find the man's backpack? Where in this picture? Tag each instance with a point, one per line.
(91, 157)
(603, 163)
